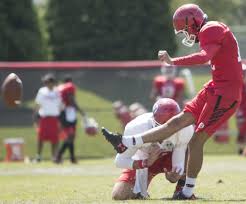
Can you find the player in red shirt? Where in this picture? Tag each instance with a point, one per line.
(222, 135)
(241, 118)
(68, 118)
(168, 85)
(214, 104)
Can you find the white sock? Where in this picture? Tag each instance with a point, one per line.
(189, 186)
(133, 141)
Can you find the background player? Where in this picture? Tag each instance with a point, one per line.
(214, 104)
(222, 135)
(46, 112)
(142, 164)
(241, 118)
(68, 118)
(168, 85)
(122, 113)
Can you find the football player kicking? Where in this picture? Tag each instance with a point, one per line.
(214, 104)
(141, 165)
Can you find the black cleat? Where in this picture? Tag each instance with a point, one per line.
(180, 196)
(179, 187)
(115, 140)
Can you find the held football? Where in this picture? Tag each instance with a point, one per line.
(12, 89)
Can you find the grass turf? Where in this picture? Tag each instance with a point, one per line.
(222, 180)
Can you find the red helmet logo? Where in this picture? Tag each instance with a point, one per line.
(188, 19)
(164, 109)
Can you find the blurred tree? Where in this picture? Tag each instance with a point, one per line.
(109, 29)
(20, 37)
(227, 11)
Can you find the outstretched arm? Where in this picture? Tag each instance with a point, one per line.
(125, 160)
(203, 56)
(179, 154)
(178, 164)
(72, 100)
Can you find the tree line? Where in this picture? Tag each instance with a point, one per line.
(96, 30)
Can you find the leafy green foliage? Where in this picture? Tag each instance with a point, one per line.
(231, 12)
(20, 37)
(112, 29)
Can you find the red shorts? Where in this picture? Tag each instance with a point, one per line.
(48, 129)
(211, 111)
(128, 175)
(66, 131)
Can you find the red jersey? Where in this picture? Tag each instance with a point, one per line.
(167, 88)
(66, 89)
(225, 62)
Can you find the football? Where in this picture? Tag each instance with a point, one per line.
(90, 126)
(11, 90)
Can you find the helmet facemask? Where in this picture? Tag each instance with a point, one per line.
(191, 31)
(189, 39)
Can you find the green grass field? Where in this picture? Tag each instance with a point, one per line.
(222, 180)
(92, 180)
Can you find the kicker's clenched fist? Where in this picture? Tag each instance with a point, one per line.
(164, 57)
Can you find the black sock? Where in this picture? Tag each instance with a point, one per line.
(71, 150)
(62, 149)
(240, 151)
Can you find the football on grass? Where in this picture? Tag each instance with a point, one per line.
(11, 90)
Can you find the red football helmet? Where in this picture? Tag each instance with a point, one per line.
(164, 109)
(188, 19)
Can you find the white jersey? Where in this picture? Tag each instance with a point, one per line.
(177, 144)
(49, 101)
(144, 123)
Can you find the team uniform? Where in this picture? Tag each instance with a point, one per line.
(49, 111)
(221, 96)
(68, 116)
(241, 118)
(215, 103)
(173, 157)
(169, 88)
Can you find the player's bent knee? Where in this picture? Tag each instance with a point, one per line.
(116, 195)
(122, 191)
(119, 195)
